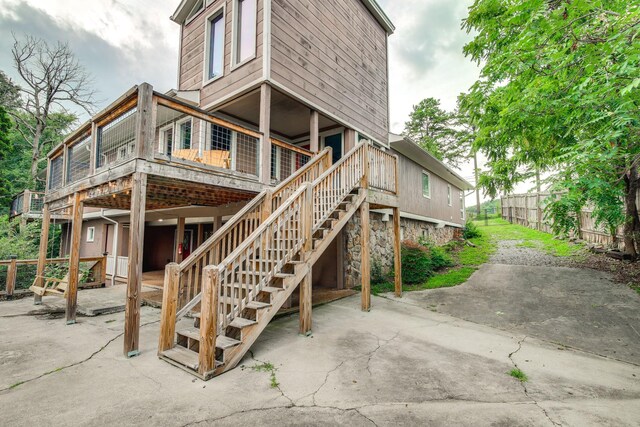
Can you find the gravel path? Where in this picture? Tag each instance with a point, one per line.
(509, 252)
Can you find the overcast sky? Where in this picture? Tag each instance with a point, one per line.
(125, 42)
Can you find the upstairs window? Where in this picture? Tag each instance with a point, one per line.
(462, 207)
(426, 185)
(246, 30)
(215, 45)
(184, 134)
(197, 8)
(449, 197)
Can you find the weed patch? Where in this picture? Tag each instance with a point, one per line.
(519, 375)
(268, 367)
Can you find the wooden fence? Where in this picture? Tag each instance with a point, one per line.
(98, 270)
(528, 210)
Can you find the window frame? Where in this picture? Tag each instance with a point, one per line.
(193, 13)
(178, 136)
(463, 213)
(428, 175)
(91, 234)
(222, 12)
(235, 63)
(161, 137)
(449, 195)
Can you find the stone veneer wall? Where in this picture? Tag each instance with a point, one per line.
(381, 242)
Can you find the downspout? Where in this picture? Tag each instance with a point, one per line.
(114, 245)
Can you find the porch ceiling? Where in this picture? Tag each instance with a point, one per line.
(165, 193)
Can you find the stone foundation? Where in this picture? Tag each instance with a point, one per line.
(381, 242)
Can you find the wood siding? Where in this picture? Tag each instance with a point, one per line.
(193, 51)
(333, 54)
(412, 201)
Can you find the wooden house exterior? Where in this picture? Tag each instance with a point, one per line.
(243, 178)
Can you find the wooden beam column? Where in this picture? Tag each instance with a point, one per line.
(314, 132)
(265, 130)
(208, 321)
(42, 254)
(397, 254)
(365, 269)
(200, 237)
(134, 282)
(306, 287)
(74, 259)
(169, 307)
(349, 140)
(179, 240)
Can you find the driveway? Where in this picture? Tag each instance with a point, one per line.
(399, 364)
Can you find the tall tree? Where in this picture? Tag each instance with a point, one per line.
(53, 81)
(9, 100)
(437, 131)
(559, 91)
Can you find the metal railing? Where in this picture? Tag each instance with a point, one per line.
(27, 203)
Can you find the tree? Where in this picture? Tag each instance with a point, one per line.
(558, 92)
(53, 80)
(437, 131)
(9, 100)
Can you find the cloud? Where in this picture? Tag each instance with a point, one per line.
(115, 67)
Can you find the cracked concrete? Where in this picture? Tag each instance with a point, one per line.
(398, 364)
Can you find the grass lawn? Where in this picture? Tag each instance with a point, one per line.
(468, 259)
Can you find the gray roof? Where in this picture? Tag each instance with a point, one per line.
(414, 152)
(180, 15)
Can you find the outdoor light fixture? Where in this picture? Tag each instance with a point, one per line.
(385, 217)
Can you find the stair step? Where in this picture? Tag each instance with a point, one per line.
(271, 289)
(283, 275)
(257, 305)
(222, 342)
(183, 356)
(241, 322)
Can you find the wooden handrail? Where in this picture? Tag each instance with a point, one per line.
(50, 261)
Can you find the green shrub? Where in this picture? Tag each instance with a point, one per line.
(420, 261)
(470, 231)
(377, 273)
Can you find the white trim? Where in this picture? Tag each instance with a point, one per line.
(162, 144)
(219, 102)
(195, 15)
(179, 78)
(428, 174)
(337, 131)
(449, 195)
(439, 223)
(266, 40)
(221, 10)
(177, 139)
(91, 234)
(463, 213)
(234, 38)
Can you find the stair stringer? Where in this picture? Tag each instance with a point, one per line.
(236, 354)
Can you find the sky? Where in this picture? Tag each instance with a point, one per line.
(126, 42)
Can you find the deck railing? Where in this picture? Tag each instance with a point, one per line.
(27, 203)
(151, 126)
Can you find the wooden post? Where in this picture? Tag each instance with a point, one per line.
(179, 240)
(217, 223)
(93, 152)
(103, 269)
(539, 211)
(200, 236)
(169, 307)
(208, 320)
(26, 202)
(12, 272)
(364, 183)
(365, 269)
(306, 304)
(42, 254)
(145, 126)
(397, 252)
(306, 286)
(326, 162)
(526, 210)
(134, 274)
(265, 130)
(314, 132)
(340, 261)
(74, 259)
(349, 139)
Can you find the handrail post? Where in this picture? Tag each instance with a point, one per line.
(103, 268)
(169, 307)
(208, 321)
(364, 183)
(11, 275)
(145, 121)
(307, 221)
(328, 159)
(42, 254)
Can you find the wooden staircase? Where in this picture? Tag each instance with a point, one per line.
(248, 270)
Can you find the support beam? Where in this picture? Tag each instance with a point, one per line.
(217, 223)
(42, 254)
(74, 259)
(314, 132)
(397, 254)
(136, 246)
(349, 139)
(169, 307)
(200, 236)
(340, 261)
(265, 130)
(365, 269)
(306, 304)
(179, 240)
(12, 273)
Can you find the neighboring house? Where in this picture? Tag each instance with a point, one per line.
(263, 163)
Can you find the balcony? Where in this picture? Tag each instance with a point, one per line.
(28, 204)
(145, 131)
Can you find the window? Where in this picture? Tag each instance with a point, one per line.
(215, 46)
(166, 140)
(462, 210)
(184, 135)
(246, 30)
(91, 234)
(197, 8)
(220, 138)
(426, 185)
(449, 195)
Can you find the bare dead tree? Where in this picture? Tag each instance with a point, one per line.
(53, 81)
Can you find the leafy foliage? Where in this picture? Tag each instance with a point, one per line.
(558, 93)
(471, 231)
(419, 262)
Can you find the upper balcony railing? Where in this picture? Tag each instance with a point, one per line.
(27, 203)
(147, 125)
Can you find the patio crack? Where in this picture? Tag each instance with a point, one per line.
(80, 362)
(524, 387)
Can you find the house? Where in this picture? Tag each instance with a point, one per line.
(245, 185)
